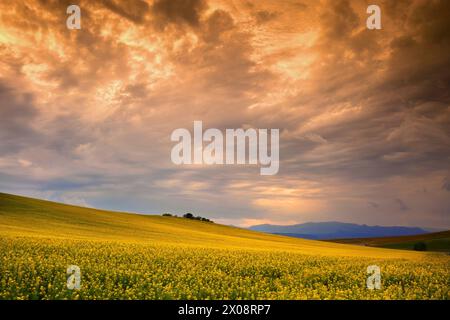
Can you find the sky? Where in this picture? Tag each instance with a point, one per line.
(364, 115)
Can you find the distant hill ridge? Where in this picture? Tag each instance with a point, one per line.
(337, 230)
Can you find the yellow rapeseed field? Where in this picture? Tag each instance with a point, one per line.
(125, 256)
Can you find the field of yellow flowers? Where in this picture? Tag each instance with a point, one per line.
(36, 269)
(125, 256)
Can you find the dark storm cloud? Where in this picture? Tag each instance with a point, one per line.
(180, 11)
(134, 10)
(446, 184)
(17, 114)
(265, 16)
(400, 122)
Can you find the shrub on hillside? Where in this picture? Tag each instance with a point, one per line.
(192, 217)
(420, 246)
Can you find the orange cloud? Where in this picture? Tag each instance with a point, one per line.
(91, 110)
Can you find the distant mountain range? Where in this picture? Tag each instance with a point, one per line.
(337, 230)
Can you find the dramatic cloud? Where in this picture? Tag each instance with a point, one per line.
(17, 114)
(446, 184)
(134, 10)
(364, 115)
(181, 11)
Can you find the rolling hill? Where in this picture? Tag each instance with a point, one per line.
(22, 216)
(132, 256)
(437, 241)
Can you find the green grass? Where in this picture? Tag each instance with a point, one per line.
(432, 245)
(437, 241)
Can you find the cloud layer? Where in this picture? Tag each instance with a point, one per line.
(364, 116)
